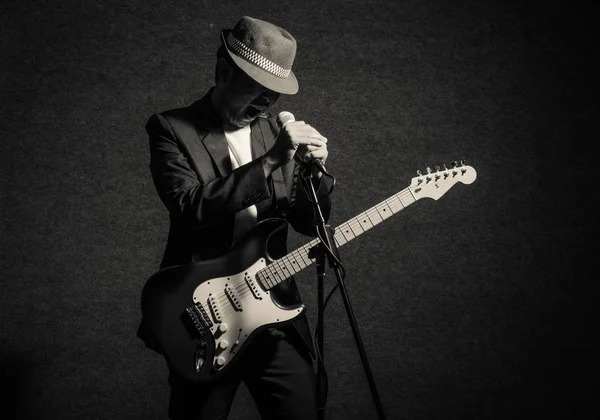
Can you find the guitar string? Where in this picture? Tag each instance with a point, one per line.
(281, 265)
(393, 203)
(242, 289)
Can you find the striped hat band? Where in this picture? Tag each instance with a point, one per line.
(255, 58)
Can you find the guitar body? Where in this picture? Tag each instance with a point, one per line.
(204, 314)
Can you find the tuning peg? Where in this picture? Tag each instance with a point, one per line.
(420, 179)
(446, 174)
(454, 164)
(462, 162)
(437, 168)
(428, 178)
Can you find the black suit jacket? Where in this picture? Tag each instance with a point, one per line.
(192, 173)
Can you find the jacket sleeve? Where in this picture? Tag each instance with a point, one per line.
(196, 201)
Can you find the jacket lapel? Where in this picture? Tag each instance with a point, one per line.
(210, 131)
(216, 144)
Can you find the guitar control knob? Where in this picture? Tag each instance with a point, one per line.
(222, 328)
(223, 344)
(219, 362)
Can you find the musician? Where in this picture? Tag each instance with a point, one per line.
(220, 166)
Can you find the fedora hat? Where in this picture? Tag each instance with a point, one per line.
(265, 52)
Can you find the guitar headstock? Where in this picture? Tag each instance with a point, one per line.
(434, 183)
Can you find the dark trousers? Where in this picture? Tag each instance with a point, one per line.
(277, 371)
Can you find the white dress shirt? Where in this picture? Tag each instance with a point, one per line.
(240, 152)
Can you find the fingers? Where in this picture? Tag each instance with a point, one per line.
(301, 133)
(311, 148)
(299, 139)
(310, 142)
(310, 152)
(317, 154)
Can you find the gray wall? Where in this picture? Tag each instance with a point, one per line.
(477, 306)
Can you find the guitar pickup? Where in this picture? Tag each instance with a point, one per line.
(253, 287)
(214, 308)
(233, 298)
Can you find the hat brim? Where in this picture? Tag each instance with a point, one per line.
(287, 86)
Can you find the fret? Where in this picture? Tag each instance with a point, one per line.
(288, 263)
(355, 227)
(339, 238)
(384, 210)
(284, 268)
(299, 260)
(281, 269)
(363, 221)
(395, 204)
(347, 232)
(266, 278)
(275, 274)
(271, 277)
(303, 257)
(374, 215)
(261, 280)
(296, 264)
(306, 249)
(366, 221)
(407, 198)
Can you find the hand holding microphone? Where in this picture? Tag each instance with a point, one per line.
(302, 142)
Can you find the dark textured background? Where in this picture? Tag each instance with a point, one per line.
(478, 306)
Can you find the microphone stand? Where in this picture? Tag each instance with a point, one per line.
(328, 248)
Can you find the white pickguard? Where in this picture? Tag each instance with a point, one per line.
(233, 325)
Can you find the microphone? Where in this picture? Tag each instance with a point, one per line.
(285, 117)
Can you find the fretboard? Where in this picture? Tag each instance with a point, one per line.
(300, 258)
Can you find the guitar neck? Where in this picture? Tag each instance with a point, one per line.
(300, 258)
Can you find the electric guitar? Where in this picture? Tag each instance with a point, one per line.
(204, 314)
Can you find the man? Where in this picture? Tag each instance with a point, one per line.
(220, 166)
